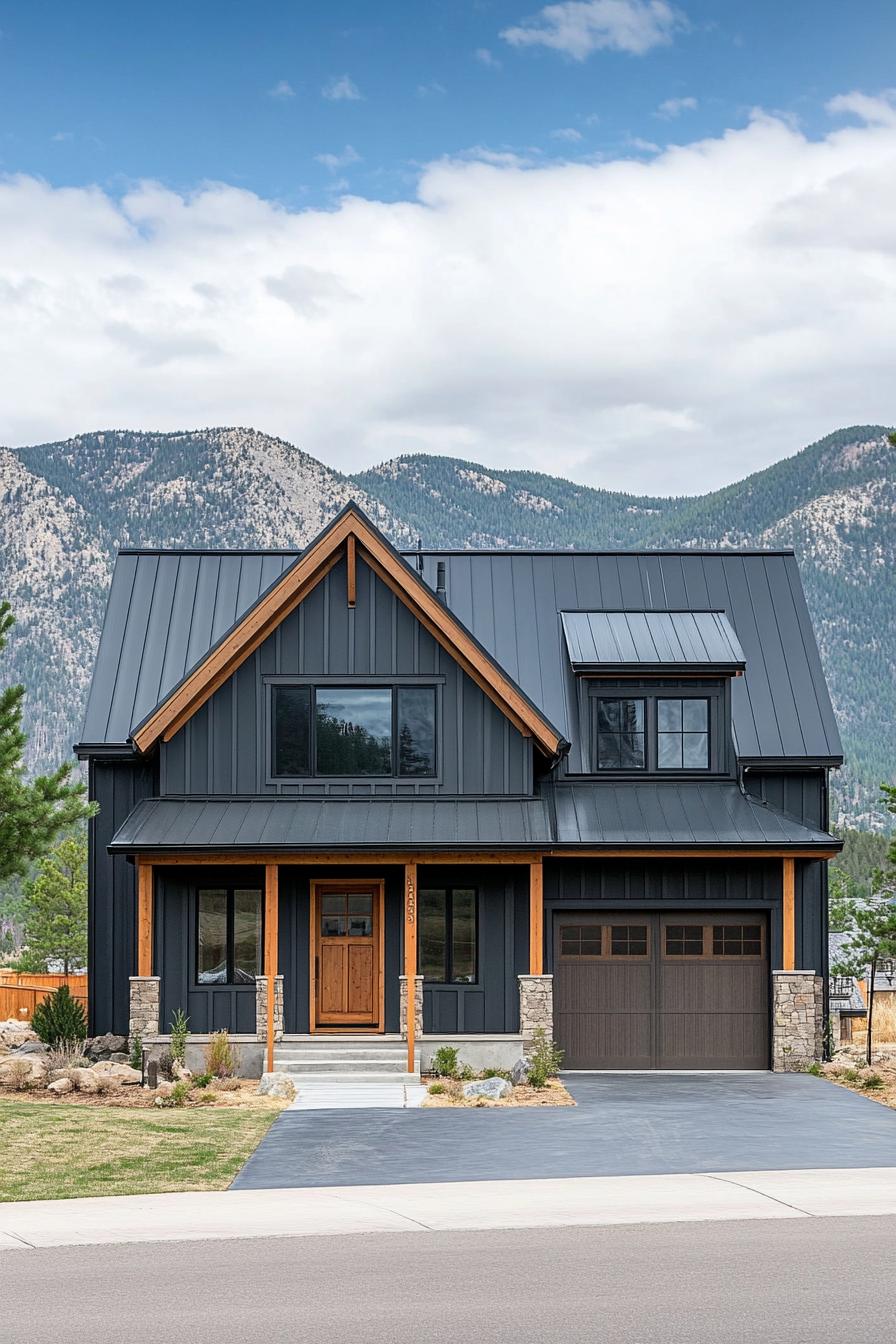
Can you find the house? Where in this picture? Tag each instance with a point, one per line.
(846, 1000)
(461, 796)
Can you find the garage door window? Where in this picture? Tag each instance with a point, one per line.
(628, 940)
(737, 940)
(580, 940)
(684, 940)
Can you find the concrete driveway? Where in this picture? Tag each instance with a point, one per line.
(623, 1124)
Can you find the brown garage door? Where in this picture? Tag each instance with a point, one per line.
(645, 991)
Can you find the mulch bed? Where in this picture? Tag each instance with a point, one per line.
(849, 1070)
(554, 1094)
(134, 1098)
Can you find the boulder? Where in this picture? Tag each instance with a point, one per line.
(120, 1057)
(124, 1075)
(180, 1073)
(85, 1080)
(493, 1089)
(520, 1072)
(163, 1091)
(101, 1047)
(60, 1086)
(277, 1085)
(14, 1032)
(34, 1047)
(12, 1070)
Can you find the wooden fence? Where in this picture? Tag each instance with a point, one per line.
(20, 993)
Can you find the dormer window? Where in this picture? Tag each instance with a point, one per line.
(668, 726)
(353, 731)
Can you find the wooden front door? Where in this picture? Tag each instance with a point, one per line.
(347, 932)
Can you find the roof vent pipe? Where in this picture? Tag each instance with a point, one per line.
(440, 581)
(419, 555)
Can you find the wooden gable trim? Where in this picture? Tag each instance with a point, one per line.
(350, 533)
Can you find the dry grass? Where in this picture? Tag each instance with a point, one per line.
(554, 1094)
(66, 1149)
(885, 1020)
(849, 1070)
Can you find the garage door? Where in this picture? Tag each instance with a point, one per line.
(671, 991)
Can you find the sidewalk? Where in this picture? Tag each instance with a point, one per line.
(480, 1205)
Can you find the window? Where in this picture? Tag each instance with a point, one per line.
(737, 940)
(684, 940)
(228, 943)
(447, 935)
(379, 731)
(346, 914)
(580, 940)
(628, 940)
(682, 734)
(620, 734)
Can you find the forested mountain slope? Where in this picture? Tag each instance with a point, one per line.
(66, 507)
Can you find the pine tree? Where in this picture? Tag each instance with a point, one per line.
(33, 814)
(55, 909)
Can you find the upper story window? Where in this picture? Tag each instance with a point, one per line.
(661, 729)
(376, 731)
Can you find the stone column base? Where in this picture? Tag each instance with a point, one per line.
(261, 1007)
(797, 1020)
(418, 1006)
(536, 1007)
(144, 1006)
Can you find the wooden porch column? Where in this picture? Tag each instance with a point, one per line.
(271, 912)
(788, 913)
(410, 955)
(144, 917)
(536, 917)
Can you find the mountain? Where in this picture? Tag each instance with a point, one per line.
(66, 507)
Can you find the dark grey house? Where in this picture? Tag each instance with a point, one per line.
(463, 795)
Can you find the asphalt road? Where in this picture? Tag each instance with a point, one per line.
(697, 1283)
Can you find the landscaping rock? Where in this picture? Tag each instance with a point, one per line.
(60, 1086)
(493, 1089)
(180, 1073)
(124, 1075)
(85, 1080)
(163, 1090)
(34, 1047)
(14, 1032)
(101, 1047)
(120, 1057)
(520, 1072)
(25, 1070)
(277, 1085)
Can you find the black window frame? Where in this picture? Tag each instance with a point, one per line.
(313, 684)
(448, 955)
(682, 733)
(596, 733)
(229, 888)
(715, 691)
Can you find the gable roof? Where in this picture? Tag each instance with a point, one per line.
(652, 641)
(350, 534)
(168, 609)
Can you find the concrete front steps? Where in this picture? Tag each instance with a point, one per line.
(359, 1058)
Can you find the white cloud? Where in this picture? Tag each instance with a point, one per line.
(282, 91)
(341, 88)
(579, 27)
(431, 90)
(486, 58)
(335, 161)
(62, 136)
(661, 324)
(643, 146)
(673, 107)
(568, 133)
(879, 111)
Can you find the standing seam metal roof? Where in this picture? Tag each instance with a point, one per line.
(607, 639)
(167, 609)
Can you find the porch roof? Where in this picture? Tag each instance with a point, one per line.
(674, 813)
(333, 823)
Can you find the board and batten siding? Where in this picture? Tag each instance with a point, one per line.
(224, 748)
(117, 786)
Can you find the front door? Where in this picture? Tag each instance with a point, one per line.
(346, 919)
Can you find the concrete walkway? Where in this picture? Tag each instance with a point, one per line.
(337, 1093)
(479, 1205)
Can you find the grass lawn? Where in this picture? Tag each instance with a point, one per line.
(62, 1152)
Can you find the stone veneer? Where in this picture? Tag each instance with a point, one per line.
(797, 1020)
(536, 1006)
(418, 1006)
(261, 1007)
(144, 1006)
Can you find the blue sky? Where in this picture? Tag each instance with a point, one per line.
(642, 244)
(187, 92)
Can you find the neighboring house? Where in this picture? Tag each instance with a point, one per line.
(580, 791)
(846, 1001)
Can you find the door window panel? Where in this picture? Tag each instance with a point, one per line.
(580, 940)
(628, 940)
(737, 940)
(684, 940)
